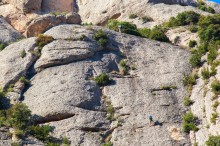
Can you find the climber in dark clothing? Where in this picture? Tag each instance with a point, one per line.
(151, 122)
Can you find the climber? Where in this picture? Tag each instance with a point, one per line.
(151, 122)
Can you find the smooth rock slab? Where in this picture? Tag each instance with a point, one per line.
(12, 65)
(65, 51)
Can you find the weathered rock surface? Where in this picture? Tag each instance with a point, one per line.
(181, 36)
(17, 18)
(45, 22)
(57, 5)
(26, 5)
(12, 64)
(73, 103)
(121, 10)
(8, 33)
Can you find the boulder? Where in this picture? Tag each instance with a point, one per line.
(57, 5)
(12, 65)
(45, 22)
(26, 5)
(8, 33)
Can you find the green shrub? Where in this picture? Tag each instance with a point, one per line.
(19, 116)
(190, 80)
(193, 28)
(192, 43)
(65, 142)
(146, 19)
(189, 126)
(184, 18)
(123, 63)
(101, 37)
(209, 28)
(2, 46)
(187, 101)
(213, 141)
(207, 9)
(24, 80)
(215, 105)
(132, 16)
(215, 87)
(213, 118)
(41, 132)
(43, 40)
(205, 73)
(102, 80)
(145, 32)
(212, 55)
(126, 27)
(189, 122)
(107, 144)
(82, 37)
(23, 53)
(195, 59)
(110, 112)
(189, 118)
(210, 10)
(157, 33)
(203, 48)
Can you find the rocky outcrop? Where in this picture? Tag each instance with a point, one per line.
(17, 18)
(12, 65)
(45, 22)
(57, 5)
(121, 10)
(8, 33)
(63, 94)
(181, 36)
(26, 6)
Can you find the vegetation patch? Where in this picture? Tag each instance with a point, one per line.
(126, 27)
(189, 122)
(2, 46)
(133, 16)
(189, 80)
(184, 18)
(213, 141)
(205, 73)
(187, 101)
(24, 80)
(101, 37)
(23, 53)
(146, 19)
(202, 6)
(43, 40)
(215, 87)
(195, 59)
(103, 79)
(213, 118)
(192, 43)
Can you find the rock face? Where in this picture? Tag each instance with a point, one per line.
(121, 10)
(57, 5)
(13, 66)
(26, 5)
(76, 106)
(45, 22)
(8, 34)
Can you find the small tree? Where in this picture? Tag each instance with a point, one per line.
(19, 116)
